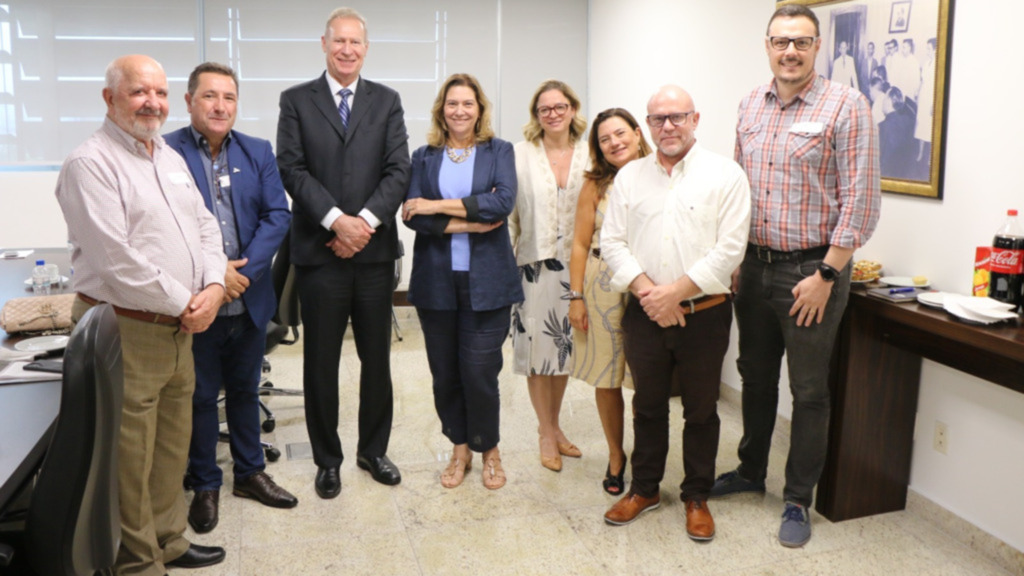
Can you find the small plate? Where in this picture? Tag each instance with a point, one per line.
(901, 281)
(933, 299)
(974, 309)
(63, 280)
(42, 344)
(867, 281)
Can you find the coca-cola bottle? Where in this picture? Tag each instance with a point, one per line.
(1007, 263)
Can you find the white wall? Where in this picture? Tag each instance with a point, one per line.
(716, 51)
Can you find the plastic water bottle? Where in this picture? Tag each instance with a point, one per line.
(41, 278)
(55, 279)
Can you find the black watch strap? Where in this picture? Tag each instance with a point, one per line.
(828, 273)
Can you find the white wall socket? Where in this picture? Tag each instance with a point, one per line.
(941, 440)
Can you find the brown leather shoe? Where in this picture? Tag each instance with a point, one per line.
(202, 513)
(261, 487)
(700, 526)
(629, 507)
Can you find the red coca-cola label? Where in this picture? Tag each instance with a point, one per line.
(1006, 261)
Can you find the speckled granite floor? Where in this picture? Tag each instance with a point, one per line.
(540, 522)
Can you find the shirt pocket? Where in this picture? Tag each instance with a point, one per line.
(806, 146)
(751, 136)
(698, 227)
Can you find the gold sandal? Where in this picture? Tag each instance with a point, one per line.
(455, 472)
(494, 474)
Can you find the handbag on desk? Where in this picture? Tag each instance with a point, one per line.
(37, 314)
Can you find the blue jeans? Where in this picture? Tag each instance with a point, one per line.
(464, 353)
(766, 329)
(228, 355)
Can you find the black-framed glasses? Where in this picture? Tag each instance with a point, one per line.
(802, 43)
(557, 109)
(658, 120)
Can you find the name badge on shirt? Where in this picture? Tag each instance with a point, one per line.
(224, 181)
(808, 127)
(179, 177)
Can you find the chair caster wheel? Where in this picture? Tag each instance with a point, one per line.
(272, 454)
(269, 425)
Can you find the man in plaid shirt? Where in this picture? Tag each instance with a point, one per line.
(810, 149)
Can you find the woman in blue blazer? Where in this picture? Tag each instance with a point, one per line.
(464, 277)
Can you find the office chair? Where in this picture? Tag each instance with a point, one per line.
(73, 525)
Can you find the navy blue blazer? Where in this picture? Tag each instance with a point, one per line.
(261, 210)
(493, 277)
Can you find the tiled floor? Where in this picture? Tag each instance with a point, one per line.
(540, 522)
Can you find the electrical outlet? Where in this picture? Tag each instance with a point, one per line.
(941, 441)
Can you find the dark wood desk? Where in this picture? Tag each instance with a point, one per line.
(27, 416)
(876, 373)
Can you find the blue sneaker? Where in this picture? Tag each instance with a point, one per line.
(733, 483)
(796, 526)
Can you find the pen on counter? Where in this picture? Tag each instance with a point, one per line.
(901, 290)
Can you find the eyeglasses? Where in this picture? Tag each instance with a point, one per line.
(557, 109)
(802, 43)
(658, 120)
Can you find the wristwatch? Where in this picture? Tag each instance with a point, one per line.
(828, 273)
(574, 295)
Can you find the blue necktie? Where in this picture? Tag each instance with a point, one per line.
(343, 107)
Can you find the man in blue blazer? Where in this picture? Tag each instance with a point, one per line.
(344, 158)
(240, 183)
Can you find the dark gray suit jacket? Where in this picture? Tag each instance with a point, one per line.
(324, 166)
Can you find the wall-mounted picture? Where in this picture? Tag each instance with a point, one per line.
(901, 65)
(899, 19)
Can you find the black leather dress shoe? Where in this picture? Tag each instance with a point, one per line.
(381, 468)
(202, 513)
(261, 487)
(198, 556)
(328, 482)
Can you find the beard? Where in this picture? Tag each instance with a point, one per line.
(143, 124)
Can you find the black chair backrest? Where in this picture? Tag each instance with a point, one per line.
(73, 525)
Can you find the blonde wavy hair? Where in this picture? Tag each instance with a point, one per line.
(533, 131)
(437, 135)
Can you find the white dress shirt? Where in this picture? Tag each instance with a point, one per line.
(142, 236)
(693, 222)
(335, 212)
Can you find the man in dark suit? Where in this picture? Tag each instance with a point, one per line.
(240, 184)
(344, 158)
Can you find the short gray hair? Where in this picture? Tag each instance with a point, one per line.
(346, 12)
(115, 72)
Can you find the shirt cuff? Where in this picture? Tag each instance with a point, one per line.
(332, 215)
(372, 220)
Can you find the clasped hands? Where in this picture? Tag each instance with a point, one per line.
(202, 309)
(351, 234)
(660, 303)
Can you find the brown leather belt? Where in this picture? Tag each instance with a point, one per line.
(703, 303)
(148, 317)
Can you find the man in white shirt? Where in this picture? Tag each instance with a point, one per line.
(844, 71)
(145, 243)
(676, 229)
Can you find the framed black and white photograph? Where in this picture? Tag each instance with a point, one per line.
(899, 19)
(901, 65)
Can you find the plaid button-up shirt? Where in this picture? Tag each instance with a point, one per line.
(812, 164)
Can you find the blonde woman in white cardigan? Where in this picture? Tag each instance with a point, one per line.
(549, 167)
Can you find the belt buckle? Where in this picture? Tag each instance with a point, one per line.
(764, 254)
(692, 309)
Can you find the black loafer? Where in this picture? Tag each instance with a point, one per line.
(328, 482)
(381, 468)
(198, 557)
(261, 487)
(202, 513)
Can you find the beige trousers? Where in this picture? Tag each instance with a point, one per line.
(156, 426)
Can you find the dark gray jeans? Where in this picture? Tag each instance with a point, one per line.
(767, 330)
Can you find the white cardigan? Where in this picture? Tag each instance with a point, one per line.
(534, 223)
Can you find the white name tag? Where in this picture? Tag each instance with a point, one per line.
(225, 181)
(179, 177)
(808, 127)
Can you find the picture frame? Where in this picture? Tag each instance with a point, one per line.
(891, 51)
(899, 18)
